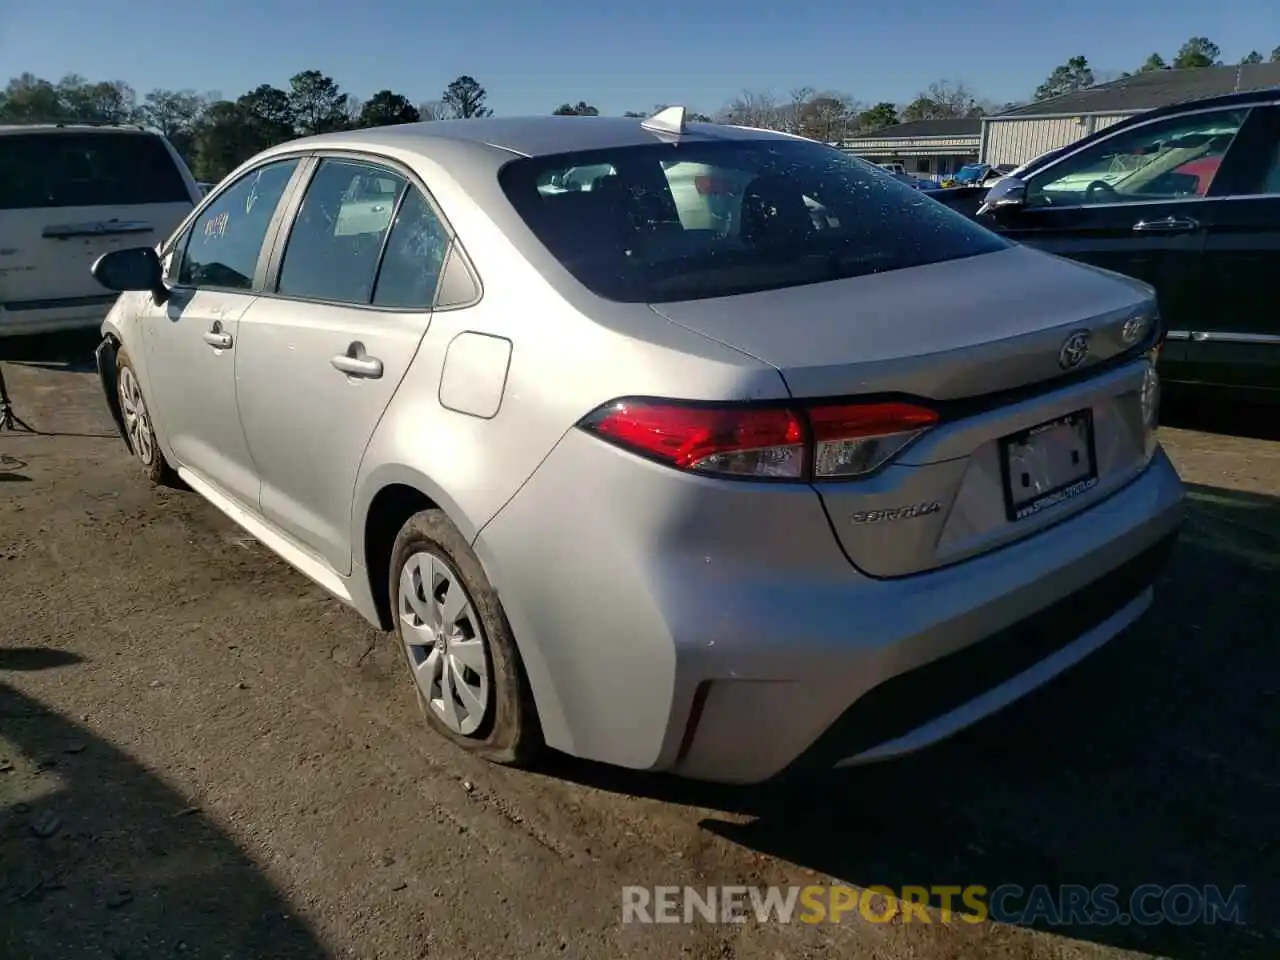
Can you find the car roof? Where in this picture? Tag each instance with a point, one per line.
(531, 136)
(18, 128)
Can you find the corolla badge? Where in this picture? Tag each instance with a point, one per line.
(907, 512)
(1075, 350)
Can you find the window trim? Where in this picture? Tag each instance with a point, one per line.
(178, 241)
(1090, 143)
(271, 275)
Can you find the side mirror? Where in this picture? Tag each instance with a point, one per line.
(1008, 194)
(137, 268)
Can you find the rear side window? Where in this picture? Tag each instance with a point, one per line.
(337, 238)
(100, 169)
(708, 219)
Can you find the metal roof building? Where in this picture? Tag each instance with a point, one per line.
(922, 146)
(1027, 132)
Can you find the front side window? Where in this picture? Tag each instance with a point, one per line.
(1172, 159)
(222, 245)
(333, 248)
(90, 169)
(700, 219)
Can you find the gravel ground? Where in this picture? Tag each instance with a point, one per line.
(202, 755)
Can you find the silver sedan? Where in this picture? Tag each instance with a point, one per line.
(735, 457)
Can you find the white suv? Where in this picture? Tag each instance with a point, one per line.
(68, 194)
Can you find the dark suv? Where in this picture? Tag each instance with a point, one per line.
(1186, 198)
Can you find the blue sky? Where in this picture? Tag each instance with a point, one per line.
(619, 56)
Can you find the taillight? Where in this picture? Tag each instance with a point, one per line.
(731, 440)
(819, 442)
(852, 439)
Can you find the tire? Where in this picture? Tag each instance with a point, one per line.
(439, 643)
(138, 424)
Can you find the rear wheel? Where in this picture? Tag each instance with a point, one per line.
(461, 654)
(137, 422)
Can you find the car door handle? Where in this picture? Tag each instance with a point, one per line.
(216, 337)
(355, 363)
(1167, 225)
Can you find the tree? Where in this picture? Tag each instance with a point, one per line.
(385, 109)
(229, 134)
(1253, 56)
(754, 109)
(465, 98)
(635, 114)
(1275, 55)
(1197, 52)
(433, 110)
(1153, 62)
(29, 99)
(826, 116)
(1068, 77)
(109, 101)
(174, 114)
(882, 115)
(317, 103)
(943, 100)
(579, 109)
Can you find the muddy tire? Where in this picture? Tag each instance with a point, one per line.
(455, 638)
(138, 425)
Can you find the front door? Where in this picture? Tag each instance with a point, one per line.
(1133, 203)
(192, 340)
(322, 354)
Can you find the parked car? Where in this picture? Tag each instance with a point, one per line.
(821, 486)
(1186, 198)
(69, 193)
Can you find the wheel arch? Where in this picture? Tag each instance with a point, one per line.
(392, 495)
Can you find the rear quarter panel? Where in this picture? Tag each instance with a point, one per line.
(566, 359)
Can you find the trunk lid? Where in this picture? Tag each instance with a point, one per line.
(989, 473)
(960, 328)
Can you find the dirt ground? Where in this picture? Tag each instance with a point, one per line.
(202, 755)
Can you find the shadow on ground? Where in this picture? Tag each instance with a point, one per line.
(1211, 411)
(1156, 761)
(67, 352)
(98, 858)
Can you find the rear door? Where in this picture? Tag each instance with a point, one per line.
(1232, 334)
(69, 195)
(1133, 203)
(322, 352)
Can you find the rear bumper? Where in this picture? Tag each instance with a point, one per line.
(54, 316)
(715, 630)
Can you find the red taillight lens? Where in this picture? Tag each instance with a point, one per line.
(852, 439)
(740, 441)
(823, 442)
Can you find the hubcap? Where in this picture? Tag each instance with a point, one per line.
(137, 422)
(444, 642)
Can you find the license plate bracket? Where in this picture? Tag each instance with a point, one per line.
(1048, 464)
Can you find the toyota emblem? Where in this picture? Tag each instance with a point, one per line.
(1075, 349)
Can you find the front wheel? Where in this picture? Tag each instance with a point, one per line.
(469, 678)
(137, 422)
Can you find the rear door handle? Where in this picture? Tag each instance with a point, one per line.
(1167, 225)
(215, 336)
(356, 363)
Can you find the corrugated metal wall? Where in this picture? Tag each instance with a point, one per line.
(1017, 141)
(909, 146)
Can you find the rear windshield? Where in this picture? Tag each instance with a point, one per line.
(65, 169)
(689, 221)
